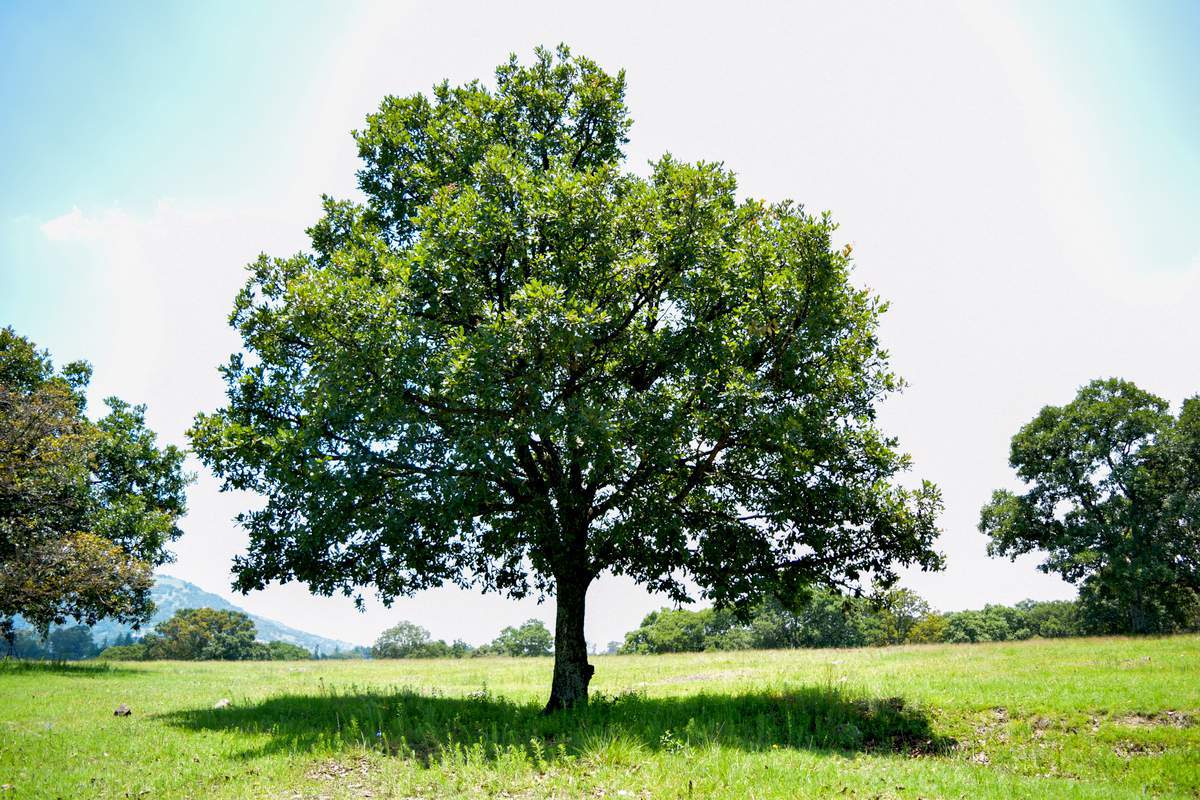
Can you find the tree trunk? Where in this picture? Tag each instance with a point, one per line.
(572, 672)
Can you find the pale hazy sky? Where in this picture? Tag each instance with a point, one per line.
(1021, 181)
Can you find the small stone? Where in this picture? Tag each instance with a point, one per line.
(222, 703)
(123, 711)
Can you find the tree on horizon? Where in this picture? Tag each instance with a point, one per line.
(1112, 499)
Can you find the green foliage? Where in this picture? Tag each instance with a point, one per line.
(1113, 501)
(929, 629)
(829, 620)
(898, 612)
(62, 643)
(404, 640)
(992, 624)
(737, 638)
(285, 651)
(530, 639)
(408, 640)
(26, 643)
(899, 616)
(1052, 618)
(825, 620)
(517, 365)
(204, 634)
(72, 644)
(678, 631)
(86, 508)
(210, 636)
(124, 652)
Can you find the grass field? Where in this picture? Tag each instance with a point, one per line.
(1083, 718)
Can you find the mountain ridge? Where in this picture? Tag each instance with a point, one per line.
(170, 594)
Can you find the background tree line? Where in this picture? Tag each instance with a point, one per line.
(826, 620)
(66, 643)
(831, 620)
(409, 640)
(205, 634)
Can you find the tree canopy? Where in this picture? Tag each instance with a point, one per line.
(516, 365)
(203, 634)
(1113, 501)
(827, 619)
(408, 640)
(531, 638)
(86, 508)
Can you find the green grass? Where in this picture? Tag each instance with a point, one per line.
(1083, 718)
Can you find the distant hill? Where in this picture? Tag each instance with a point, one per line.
(172, 594)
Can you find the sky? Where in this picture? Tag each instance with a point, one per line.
(1020, 181)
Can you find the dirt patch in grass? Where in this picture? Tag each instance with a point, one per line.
(335, 770)
(1129, 749)
(1168, 719)
(992, 724)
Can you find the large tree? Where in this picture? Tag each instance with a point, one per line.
(87, 507)
(529, 639)
(516, 366)
(206, 634)
(1113, 500)
(406, 640)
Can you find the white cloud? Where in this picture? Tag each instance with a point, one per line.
(169, 275)
(71, 226)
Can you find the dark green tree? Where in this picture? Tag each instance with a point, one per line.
(678, 630)
(1113, 500)
(86, 508)
(26, 643)
(829, 619)
(72, 643)
(203, 634)
(993, 623)
(894, 614)
(1050, 619)
(408, 640)
(124, 652)
(777, 627)
(286, 651)
(929, 629)
(529, 639)
(516, 365)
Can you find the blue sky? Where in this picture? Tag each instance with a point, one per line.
(118, 102)
(1020, 180)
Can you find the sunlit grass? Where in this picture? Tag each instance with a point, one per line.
(1098, 718)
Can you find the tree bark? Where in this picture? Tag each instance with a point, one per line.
(572, 672)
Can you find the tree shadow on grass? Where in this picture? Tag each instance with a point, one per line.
(430, 727)
(76, 669)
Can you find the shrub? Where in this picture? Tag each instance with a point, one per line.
(124, 652)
